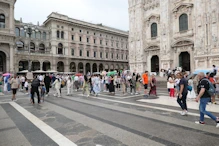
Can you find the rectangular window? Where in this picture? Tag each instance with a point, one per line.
(106, 55)
(87, 32)
(94, 41)
(94, 33)
(72, 52)
(112, 56)
(88, 53)
(80, 53)
(101, 42)
(122, 56)
(80, 30)
(106, 43)
(117, 44)
(72, 29)
(94, 53)
(117, 56)
(126, 57)
(72, 37)
(87, 40)
(101, 54)
(80, 39)
(111, 44)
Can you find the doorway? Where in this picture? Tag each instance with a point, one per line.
(184, 61)
(155, 64)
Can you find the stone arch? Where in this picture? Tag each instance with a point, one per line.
(94, 67)
(88, 67)
(101, 67)
(60, 66)
(72, 67)
(46, 65)
(35, 65)
(2, 62)
(81, 67)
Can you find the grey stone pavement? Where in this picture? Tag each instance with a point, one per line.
(104, 120)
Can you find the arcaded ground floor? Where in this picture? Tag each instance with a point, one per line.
(60, 64)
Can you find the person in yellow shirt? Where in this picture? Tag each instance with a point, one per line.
(145, 83)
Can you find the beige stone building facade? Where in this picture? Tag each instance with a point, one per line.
(63, 44)
(173, 33)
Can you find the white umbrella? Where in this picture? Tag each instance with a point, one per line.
(51, 71)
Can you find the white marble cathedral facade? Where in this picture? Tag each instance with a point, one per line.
(173, 33)
(61, 43)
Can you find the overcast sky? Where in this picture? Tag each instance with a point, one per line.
(113, 13)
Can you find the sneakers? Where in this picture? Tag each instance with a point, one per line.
(200, 122)
(184, 113)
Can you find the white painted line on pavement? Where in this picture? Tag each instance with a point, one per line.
(49, 131)
(146, 106)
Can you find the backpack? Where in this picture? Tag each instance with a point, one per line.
(211, 91)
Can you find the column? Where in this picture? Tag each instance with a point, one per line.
(11, 58)
(12, 18)
(84, 68)
(41, 65)
(91, 68)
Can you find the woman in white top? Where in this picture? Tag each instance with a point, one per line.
(69, 86)
(96, 85)
(57, 85)
(191, 94)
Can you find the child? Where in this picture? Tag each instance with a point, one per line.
(43, 91)
(26, 86)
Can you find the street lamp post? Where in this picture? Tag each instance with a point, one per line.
(29, 29)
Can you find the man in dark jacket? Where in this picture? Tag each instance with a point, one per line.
(47, 81)
(35, 89)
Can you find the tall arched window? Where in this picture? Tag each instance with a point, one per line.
(22, 33)
(17, 31)
(42, 48)
(183, 22)
(20, 45)
(2, 21)
(58, 34)
(62, 34)
(38, 35)
(60, 49)
(32, 47)
(44, 35)
(154, 30)
(33, 35)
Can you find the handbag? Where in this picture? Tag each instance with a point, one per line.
(189, 88)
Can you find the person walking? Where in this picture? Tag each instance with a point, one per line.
(69, 86)
(14, 86)
(76, 81)
(145, 82)
(111, 86)
(133, 84)
(213, 81)
(35, 89)
(22, 78)
(204, 97)
(85, 86)
(96, 85)
(183, 84)
(57, 85)
(26, 86)
(138, 83)
(191, 94)
(47, 81)
(153, 86)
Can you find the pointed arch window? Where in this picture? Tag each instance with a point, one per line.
(2, 21)
(183, 22)
(154, 30)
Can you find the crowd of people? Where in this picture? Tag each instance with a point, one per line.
(178, 85)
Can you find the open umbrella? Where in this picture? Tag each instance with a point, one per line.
(6, 74)
(111, 73)
(79, 74)
(96, 73)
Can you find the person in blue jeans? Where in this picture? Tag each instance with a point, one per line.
(181, 99)
(204, 98)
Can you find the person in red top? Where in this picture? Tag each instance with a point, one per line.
(145, 82)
